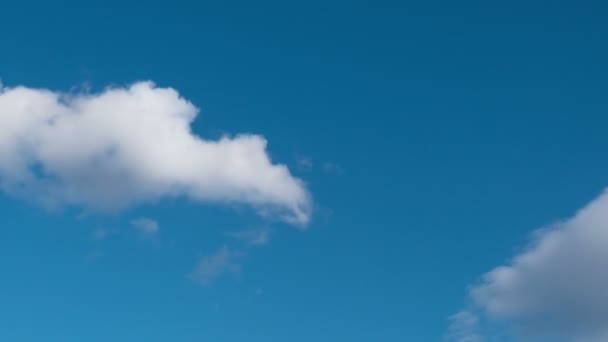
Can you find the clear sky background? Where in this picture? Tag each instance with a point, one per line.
(434, 137)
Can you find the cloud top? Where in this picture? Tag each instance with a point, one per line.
(131, 145)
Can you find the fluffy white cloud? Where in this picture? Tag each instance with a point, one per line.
(557, 288)
(130, 145)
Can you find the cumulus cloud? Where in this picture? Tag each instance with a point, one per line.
(132, 145)
(146, 226)
(210, 267)
(557, 288)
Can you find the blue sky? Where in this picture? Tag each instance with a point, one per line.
(426, 144)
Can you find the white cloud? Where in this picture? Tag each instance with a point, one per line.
(133, 145)
(146, 226)
(215, 265)
(557, 288)
(464, 327)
